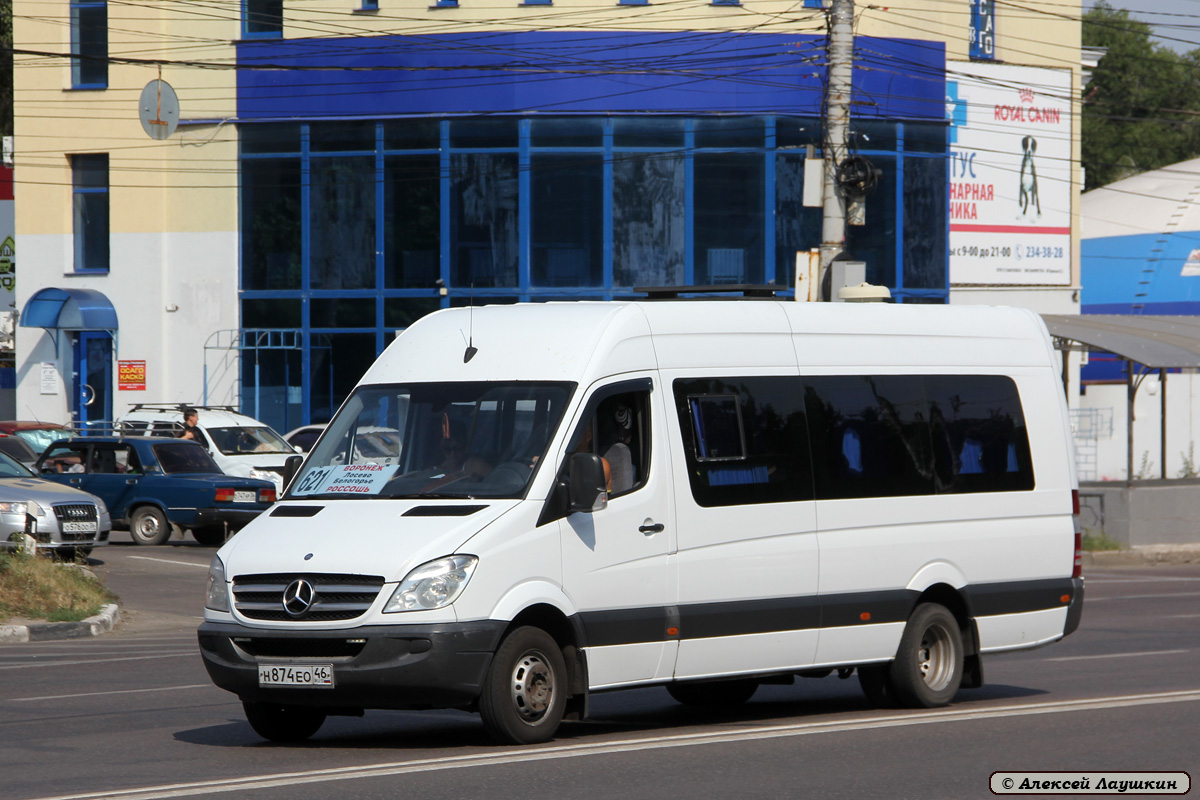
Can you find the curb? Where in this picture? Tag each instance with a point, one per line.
(103, 622)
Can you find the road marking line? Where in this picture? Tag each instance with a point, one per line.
(1120, 655)
(45, 664)
(526, 754)
(1141, 596)
(116, 691)
(169, 561)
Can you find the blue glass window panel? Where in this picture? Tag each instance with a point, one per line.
(483, 220)
(400, 312)
(411, 134)
(649, 233)
(567, 229)
(925, 236)
(342, 136)
(89, 42)
(412, 222)
(342, 223)
(875, 242)
(91, 211)
(336, 368)
(793, 132)
(867, 134)
(266, 378)
(342, 312)
(730, 131)
(572, 132)
(271, 313)
(370, 5)
(483, 133)
(729, 220)
(269, 138)
(262, 18)
(648, 132)
(271, 223)
(797, 228)
(925, 137)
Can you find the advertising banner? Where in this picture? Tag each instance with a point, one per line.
(131, 376)
(1010, 174)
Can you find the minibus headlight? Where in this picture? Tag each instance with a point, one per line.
(432, 585)
(218, 597)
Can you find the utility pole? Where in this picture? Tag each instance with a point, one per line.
(840, 58)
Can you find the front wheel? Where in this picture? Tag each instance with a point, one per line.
(929, 662)
(149, 525)
(278, 723)
(525, 692)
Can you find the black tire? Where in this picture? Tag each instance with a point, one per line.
(277, 723)
(149, 525)
(525, 692)
(713, 694)
(213, 536)
(929, 662)
(876, 685)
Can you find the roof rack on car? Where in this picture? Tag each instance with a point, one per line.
(751, 290)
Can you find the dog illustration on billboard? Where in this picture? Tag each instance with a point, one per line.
(1028, 195)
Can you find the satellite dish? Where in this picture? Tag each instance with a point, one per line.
(158, 109)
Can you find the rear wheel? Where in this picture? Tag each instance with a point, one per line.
(713, 694)
(525, 692)
(277, 723)
(212, 536)
(149, 525)
(929, 662)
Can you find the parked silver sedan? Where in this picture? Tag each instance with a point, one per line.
(61, 519)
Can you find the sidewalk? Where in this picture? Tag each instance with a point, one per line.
(31, 631)
(1145, 554)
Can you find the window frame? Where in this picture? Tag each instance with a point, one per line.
(78, 56)
(83, 187)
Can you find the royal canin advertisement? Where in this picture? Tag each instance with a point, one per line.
(1010, 174)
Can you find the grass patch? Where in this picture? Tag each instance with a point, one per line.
(41, 588)
(1097, 542)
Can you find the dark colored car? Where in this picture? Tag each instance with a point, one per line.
(152, 485)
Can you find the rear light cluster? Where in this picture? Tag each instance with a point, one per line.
(1077, 570)
(226, 494)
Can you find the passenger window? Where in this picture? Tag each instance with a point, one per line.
(745, 440)
(618, 430)
(870, 435)
(980, 442)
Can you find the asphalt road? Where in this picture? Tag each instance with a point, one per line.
(132, 715)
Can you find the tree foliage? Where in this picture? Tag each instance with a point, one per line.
(1141, 108)
(6, 68)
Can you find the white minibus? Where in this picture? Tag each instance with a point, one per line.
(700, 494)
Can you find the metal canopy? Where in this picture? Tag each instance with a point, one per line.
(1157, 342)
(69, 309)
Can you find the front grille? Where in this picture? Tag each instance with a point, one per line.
(301, 648)
(76, 512)
(335, 597)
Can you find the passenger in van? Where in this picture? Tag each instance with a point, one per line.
(616, 425)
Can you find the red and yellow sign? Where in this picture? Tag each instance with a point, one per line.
(131, 376)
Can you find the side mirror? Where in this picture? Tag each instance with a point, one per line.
(290, 467)
(588, 488)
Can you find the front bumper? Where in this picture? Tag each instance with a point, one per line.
(381, 666)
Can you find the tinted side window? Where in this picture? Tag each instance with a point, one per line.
(745, 439)
(870, 436)
(184, 457)
(980, 442)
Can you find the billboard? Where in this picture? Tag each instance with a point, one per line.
(1010, 174)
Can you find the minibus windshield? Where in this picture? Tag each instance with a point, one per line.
(435, 440)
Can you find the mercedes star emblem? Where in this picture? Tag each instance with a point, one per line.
(298, 597)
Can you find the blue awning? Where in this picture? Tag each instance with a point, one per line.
(69, 309)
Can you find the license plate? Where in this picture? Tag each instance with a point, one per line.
(79, 527)
(315, 675)
(244, 497)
